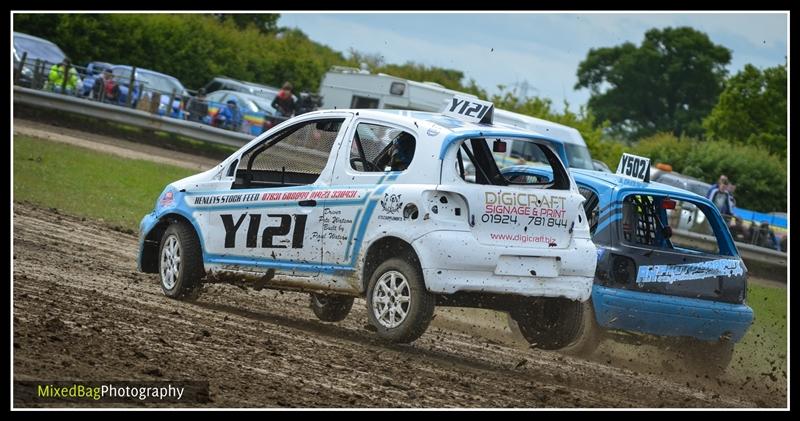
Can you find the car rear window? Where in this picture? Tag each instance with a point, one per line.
(477, 163)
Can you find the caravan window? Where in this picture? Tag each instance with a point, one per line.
(364, 102)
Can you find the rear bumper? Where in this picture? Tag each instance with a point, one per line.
(666, 315)
(454, 261)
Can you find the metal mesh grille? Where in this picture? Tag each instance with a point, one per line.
(306, 151)
(639, 224)
(374, 140)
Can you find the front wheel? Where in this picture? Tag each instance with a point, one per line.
(180, 263)
(331, 308)
(398, 304)
(559, 324)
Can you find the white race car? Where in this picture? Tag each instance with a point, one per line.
(348, 203)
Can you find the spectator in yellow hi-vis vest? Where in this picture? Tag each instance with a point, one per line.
(56, 78)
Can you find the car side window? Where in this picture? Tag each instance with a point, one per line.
(213, 86)
(639, 220)
(377, 148)
(295, 156)
(648, 221)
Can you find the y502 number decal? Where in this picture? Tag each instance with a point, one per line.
(269, 232)
(634, 166)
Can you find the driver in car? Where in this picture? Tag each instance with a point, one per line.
(402, 151)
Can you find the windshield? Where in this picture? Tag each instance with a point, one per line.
(263, 106)
(161, 84)
(579, 156)
(698, 188)
(38, 49)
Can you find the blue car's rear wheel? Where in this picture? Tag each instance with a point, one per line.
(558, 324)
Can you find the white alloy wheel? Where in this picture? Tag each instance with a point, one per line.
(170, 262)
(391, 299)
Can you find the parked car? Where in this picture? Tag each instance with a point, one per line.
(146, 83)
(683, 182)
(600, 166)
(222, 83)
(257, 111)
(649, 281)
(349, 203)
(34, 48)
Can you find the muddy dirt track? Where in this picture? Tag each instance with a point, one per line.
(82, 312)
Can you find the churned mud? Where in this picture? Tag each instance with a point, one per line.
(81, 311)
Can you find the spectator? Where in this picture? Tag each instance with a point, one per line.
(402, 152)
(722, 196)
(763, 236)
(738, 231)
(307, 103)
(284, 102)
(56, 78)
(230, 117)
(105, 88)
(197, 108)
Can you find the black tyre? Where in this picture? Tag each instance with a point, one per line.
(180, 262)
(398, 304)
(559, 324)
(331, 308)
(707, 357)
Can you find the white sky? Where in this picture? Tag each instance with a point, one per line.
(543, 49)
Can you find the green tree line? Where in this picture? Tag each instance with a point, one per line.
(670, 97)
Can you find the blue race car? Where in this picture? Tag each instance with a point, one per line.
(667, 266)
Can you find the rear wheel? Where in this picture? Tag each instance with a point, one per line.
(559, 324)
(398, 304)
(180, 263)
(331, 308)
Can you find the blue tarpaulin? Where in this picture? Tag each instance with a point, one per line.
(758, 217)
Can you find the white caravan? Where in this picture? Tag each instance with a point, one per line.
(348, 87)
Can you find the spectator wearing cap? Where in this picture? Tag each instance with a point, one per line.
(284, 101)
(197, 108)
(229, 117)
(56, 78)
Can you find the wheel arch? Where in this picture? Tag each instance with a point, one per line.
(150, 245)
(381, 250)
